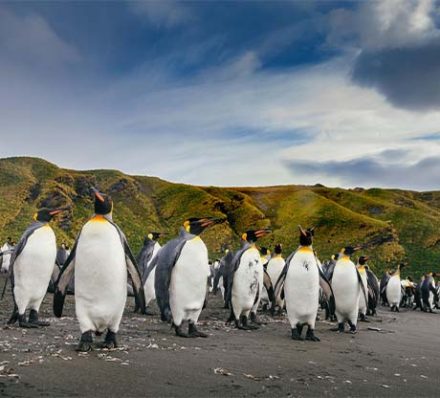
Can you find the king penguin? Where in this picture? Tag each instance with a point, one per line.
(274, 268)
(31, 267)
(363, 301)
(245, 281)
(373, 291)
(182, 269)
(393, 289)
(144, 259)
(99, 262)
(347, 286)
(302, 278)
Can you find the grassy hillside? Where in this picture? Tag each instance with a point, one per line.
(393, 225)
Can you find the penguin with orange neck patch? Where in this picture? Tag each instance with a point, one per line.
(246, 280)
(31, 267)
(347, 286)
(302, 278)
(99, 262)
(182, 269)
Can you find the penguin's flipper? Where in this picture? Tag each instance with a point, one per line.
(64, 278)
(135, 276)
(361, 284)
(269, 287)
(147, 270)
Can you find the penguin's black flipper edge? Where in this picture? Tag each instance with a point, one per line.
(269, 287)
(136, 278)
(61, 285)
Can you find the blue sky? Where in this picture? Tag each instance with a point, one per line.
(227, 93)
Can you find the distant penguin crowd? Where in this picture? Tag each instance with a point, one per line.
(101, 270)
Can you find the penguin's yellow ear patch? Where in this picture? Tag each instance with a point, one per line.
(244, 236)
(150, 236)
(186, 225)
(35, 216)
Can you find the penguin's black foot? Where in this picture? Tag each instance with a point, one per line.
(353, 329)
(310, 335)
(193, 332)
(25, 324)
(33, 318)
(13, 318)
(110, 340)
(243, 325)
(341, 328)
(363, 318)
(397, 309)
(296, 334)
(254, 319)
(85, 342)
(148, 312)
(179, 331)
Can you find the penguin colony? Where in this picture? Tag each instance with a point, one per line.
(100, 270)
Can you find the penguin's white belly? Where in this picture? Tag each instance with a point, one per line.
(362, 303)
(189, 280)
(346, 288)
(274, 269)
(248, 280)
(34, 266)
(301, 289)
(394, 290)
(6, 261)
(100, 277)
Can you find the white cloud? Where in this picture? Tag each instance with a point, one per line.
(163, 13)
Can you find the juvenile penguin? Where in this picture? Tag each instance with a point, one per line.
(144, 259)
(302, 278)
(99, 262)
(245, 280)
(31, 267)
(363, 301)
(274, 268)
(347, 286)
(221, 276)
(393, 289)
(182, 270)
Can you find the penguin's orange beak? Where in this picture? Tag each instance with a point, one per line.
(262, 232)
(98, 195)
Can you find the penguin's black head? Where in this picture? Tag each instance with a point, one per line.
(252, 236)
(349, 250)
(278, 248)
(103, 203)
(306, 236)
(46, 215)
(263, 251)
(196, 225)
(154, 235)
(363, 260)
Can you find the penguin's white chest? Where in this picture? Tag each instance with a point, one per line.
(274, 268)
(248, 278)
(189, 277)
(100, 275)
(301, 288)
(394, 290)
(362, 303)
(33, 267)
(346, 287)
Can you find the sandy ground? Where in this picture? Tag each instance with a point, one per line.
(400, 360)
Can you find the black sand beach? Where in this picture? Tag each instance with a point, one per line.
(399, 360)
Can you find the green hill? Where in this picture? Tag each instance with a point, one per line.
(394, 225)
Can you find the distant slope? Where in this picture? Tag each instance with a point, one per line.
(394, 225)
